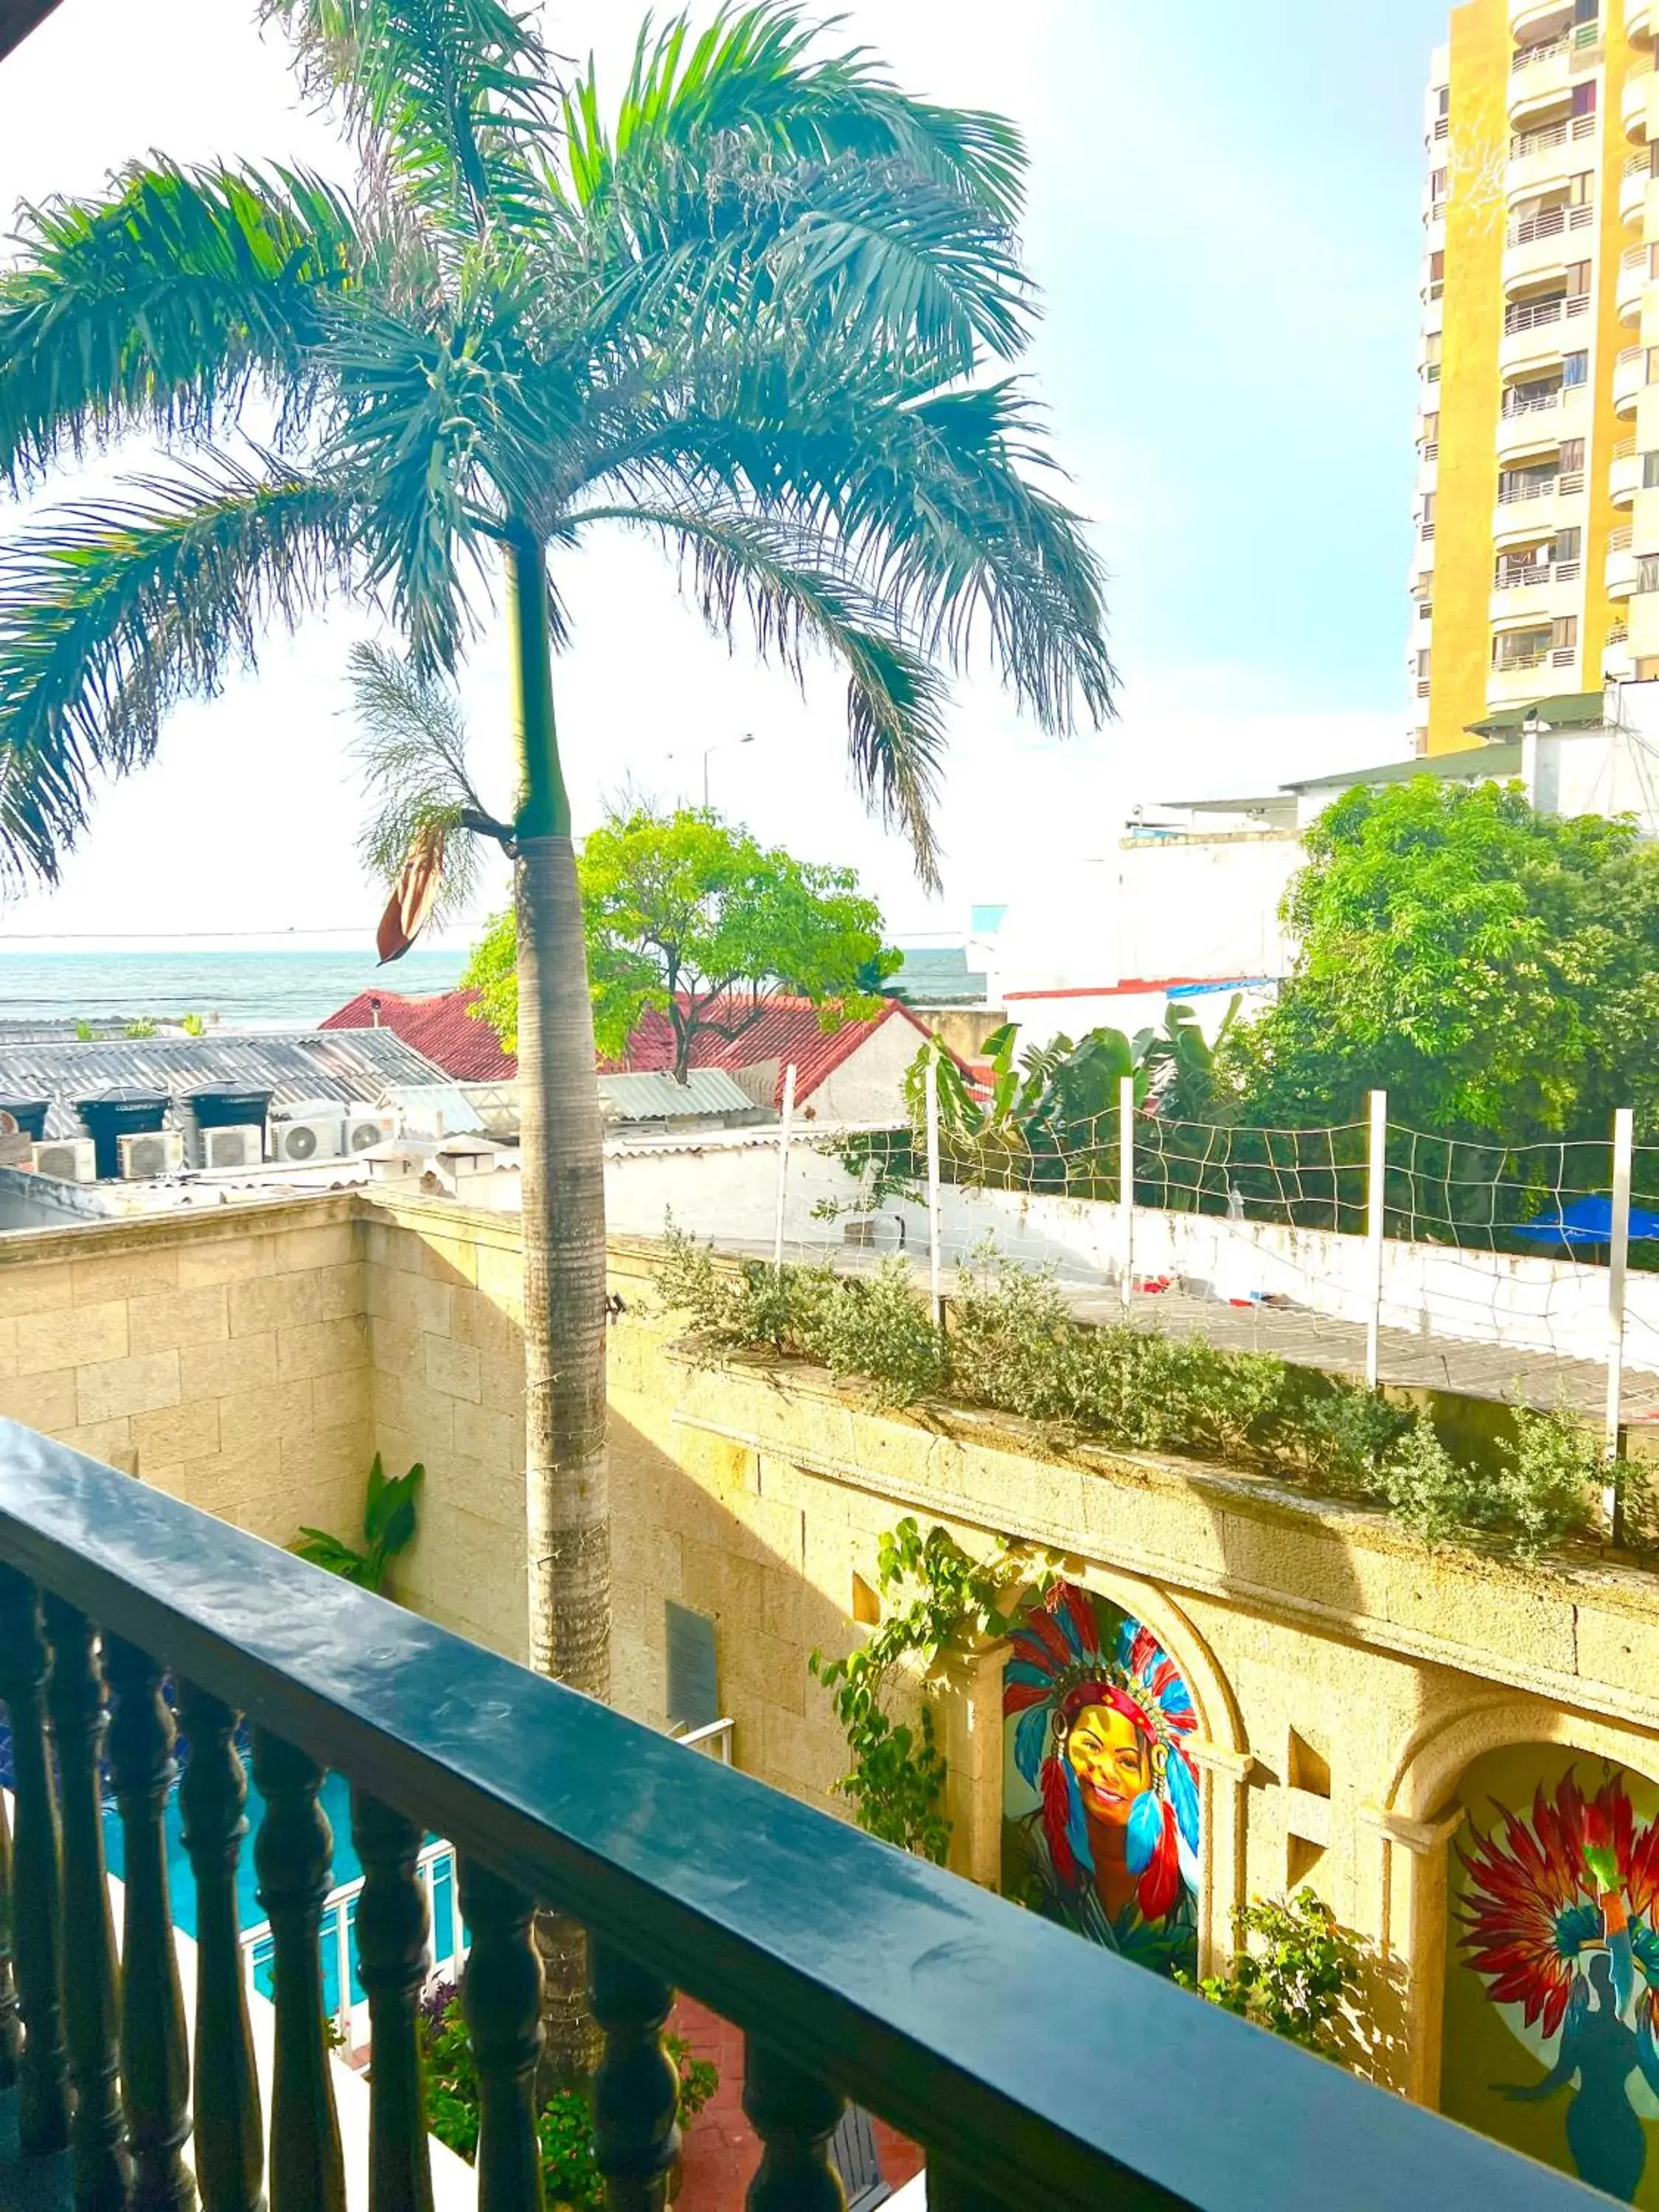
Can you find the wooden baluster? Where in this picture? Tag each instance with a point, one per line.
(293, 1851)
(636, 2091)
(155, 2055)
(794, 2114)
(79, 1718)
(230, 2133)
(43, 2072)
(501, 1999)
(11, 2027)
(392, 1962)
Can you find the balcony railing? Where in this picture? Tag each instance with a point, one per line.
(1516, 576)
(1512, 489)
(1525, 143)
(1520, 664)
(1579, 37)
(1621, 541)
(1550, 222)
(1533, 314)
(1038, 2071)
(1517, 401)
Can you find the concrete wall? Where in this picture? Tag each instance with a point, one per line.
(1206, 905)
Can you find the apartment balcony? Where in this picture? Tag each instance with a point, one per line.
(1537, 332)
(1625, 476)
(1036, 2069)
(1622, 565)
(1630, 379)
(1634, 179)
(1550, 155)
(1635, 274)
(1539, 19)
(1531, 677)
(1533, 424)
(1535, 591)
(1543, 75)
(1542, 245)
(1633, 102)
(1639, 21)
(1536, 509)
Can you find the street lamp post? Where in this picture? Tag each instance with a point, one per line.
(719, 745)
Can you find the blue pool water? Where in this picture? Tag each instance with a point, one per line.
(335, 1801)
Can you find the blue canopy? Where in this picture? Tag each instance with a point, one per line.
(1588, 1221)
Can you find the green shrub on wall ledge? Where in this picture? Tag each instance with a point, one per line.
(1012, 1346)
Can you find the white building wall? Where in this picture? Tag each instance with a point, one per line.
(725, 1191)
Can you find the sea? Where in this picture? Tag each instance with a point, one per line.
(242, 990)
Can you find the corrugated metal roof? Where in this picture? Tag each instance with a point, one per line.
(653, 1097)
(350, 1065)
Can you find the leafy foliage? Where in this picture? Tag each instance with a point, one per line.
(1538, 1493)
(897, 1779)
(1049, 1117)
(1296, 1971)
(748, 308)
(691, 916)
(1013, 1346)
(570, 2175)
(1493, 968)
(389, 1526)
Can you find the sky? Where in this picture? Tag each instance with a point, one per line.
(1226, 229)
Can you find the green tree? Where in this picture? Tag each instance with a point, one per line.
(761, 314)
(687, 916)
(1495, 970)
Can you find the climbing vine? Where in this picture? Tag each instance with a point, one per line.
(896, 1780)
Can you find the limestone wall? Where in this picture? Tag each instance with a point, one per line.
(222, 1357)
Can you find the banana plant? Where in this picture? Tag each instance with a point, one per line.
(389, 1525)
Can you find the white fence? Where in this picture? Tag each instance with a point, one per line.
(726, 1188)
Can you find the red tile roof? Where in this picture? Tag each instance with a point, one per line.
(465, 1047)
(787, 1031)
(442, 1027)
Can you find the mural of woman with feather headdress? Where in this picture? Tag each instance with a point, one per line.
(1102, 1795)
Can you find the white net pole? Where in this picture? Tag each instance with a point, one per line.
(1126, 1188)
(1376, 1164)
(935, 1257)
(1624, 1148)
(785, 1129)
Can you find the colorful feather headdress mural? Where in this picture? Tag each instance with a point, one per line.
(1061, 1666)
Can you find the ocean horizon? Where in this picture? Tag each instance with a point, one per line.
(242, 990)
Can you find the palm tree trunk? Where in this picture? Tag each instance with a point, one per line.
(563, 1178)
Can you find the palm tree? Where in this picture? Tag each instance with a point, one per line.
(755, 315)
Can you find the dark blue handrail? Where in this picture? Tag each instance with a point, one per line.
(1053, 2072)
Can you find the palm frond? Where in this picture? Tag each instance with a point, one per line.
(112, 610)
(155, 305)
(934, 500)
(786, 584)
(751, 77)
(411, 748)
(449, 99)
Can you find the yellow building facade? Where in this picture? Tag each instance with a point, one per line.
(1535, 570)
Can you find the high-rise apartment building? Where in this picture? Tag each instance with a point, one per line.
(1535, 571)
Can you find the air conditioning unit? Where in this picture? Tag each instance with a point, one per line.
(367, 1125)
(155, 1152)
(67, 1159)
(307, 1137)
(242, 1145)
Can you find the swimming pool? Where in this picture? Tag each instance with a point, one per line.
(335, 1799)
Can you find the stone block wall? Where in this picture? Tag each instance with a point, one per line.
(224, 1358)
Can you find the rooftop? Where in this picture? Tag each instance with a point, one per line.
(359, 1066)
(445, 1028)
